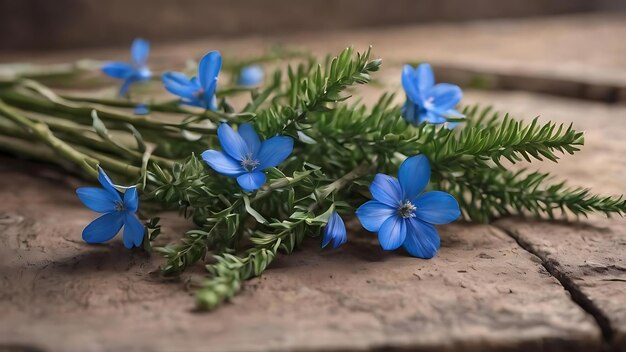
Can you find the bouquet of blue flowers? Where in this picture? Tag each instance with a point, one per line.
(297, 161)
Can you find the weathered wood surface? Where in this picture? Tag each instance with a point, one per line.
(588, 257)
(484, 291)
(65, 24)
(576, 55)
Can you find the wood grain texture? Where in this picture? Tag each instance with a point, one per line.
(64, 24)
(481, 293)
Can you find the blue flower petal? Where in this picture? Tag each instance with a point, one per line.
(422, 239)
(139, 51)
(120, 70)
(373, 214)
(453, 113)
(445, 96)
(131, 199)
(209, 91)
(126, 85)
(410, 112)
(432, 116)
(249, 135)
(193, 102)
(106, 182)
(334, 230)
(392, 233)
(209, 68)
(451, 125)
(274, 151)
(232, 143)
(97, 199)
(223, 163)
(386, 189)
(210, 102)
(251, 76)
(425, 79)
(180, 78)
(251, 181)
(409, 84)
(178, 84)
(437, 207)
(133, 231)
(103, 228)
(414, 175)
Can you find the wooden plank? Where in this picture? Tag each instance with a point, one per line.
(482, 292)
(589, 259)
(37, 25)
(589, 256)
(515, 61)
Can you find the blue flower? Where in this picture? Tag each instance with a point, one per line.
(427, 101)
(198, 91)
(117, 212)
(245, 157)
(335, 230)
(135, 71)
(250, 76)
(403, 215)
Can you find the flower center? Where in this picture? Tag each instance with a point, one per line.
(119, 206)
(199, 93)
(144, 73)
(407, 210)
(429, 103)
(249, 163)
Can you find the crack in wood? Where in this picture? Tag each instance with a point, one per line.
(576, 294)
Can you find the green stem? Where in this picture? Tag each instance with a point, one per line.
(92, 143)
(110, 163)
(42, 132)
(24, 148)
(86, 159)
(80, 112)
(363, 169)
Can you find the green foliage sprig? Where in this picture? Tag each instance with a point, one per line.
(340, 145)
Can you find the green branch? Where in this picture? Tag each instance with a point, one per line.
(41, 132)
(488, 194)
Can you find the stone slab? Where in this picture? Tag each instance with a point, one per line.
(588, 256)
(59, 294)
(590, 259)
(481, 293)
(576, 55)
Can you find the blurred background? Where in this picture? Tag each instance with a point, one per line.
(43, 25)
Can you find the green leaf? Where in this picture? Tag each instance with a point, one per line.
(141, 145)
(99, 126)
(322, 219)
(259, 218)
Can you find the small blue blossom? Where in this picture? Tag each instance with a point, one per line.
(245, 157)
(200, 90)
(427, 101)
(141, 109)
(403, 215)
(135, 71)
(117, 212)
(251, 76)
(335, 231)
